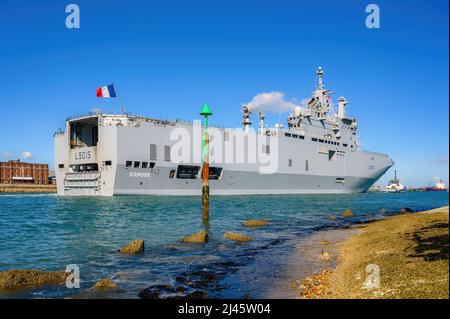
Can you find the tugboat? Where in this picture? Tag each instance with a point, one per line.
(395, 186)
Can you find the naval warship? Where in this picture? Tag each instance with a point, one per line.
(121, 154)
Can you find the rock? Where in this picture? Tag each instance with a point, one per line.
(105, 284)
(133, 248)
(332, 217)
(15, 278)
(324, 242)
(405, 210)
(183, 280)
(325, 256)
(176, 297)
(197, 238)
(347, 213)
(255, 223)
(197, 294)
(154, 292)
(236, 237)
(148, 294)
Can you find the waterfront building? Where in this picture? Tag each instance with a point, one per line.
(18, 172)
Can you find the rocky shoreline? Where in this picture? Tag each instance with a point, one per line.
(17, 188)
(191, 284)
(410, 250)
(403, 256)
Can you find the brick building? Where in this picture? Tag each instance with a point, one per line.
(17, 172)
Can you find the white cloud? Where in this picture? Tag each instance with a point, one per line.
(27, 155)
(270, 102)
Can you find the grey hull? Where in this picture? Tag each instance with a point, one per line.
(239, 183)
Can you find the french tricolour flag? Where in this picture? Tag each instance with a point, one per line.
(106, 91)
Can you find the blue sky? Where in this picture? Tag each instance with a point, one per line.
(166, 58)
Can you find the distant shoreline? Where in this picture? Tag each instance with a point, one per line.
(402, 256)
(24, 188)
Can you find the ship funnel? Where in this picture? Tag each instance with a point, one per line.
(261, 122)
(341, 107)
(246, 123)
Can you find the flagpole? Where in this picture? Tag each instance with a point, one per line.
(122, 108)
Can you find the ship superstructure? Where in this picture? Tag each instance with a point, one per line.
(439, 186)
(394, 185)
(122, 154)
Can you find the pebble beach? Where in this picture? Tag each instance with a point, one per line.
(404, 256)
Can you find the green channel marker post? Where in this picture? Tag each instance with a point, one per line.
(206, 111)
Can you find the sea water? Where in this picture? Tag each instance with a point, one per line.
(49, 232)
